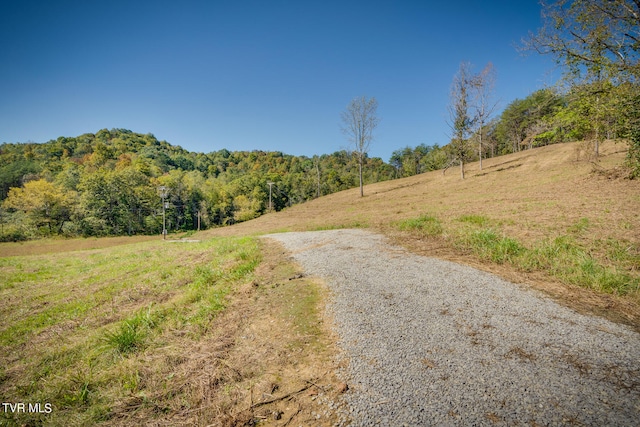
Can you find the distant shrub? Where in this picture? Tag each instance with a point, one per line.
(13, 235)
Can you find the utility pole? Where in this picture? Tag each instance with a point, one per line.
(270, 185)
(163, 194)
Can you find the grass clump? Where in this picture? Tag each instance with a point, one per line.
(427, 225)
(487, 244)
(572, 263)
(580, 226)
(562, 257)
(131, 334)
(478, 220)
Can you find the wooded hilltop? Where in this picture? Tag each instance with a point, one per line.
(108, 184)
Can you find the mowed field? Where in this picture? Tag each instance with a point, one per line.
(159, 333)
(225, 330)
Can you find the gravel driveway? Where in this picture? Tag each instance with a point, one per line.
(430, 342)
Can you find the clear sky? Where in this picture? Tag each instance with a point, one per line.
(245, 75)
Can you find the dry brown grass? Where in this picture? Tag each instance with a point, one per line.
(39, 247)
(532, 195)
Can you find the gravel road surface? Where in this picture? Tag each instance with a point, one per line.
(430, 342)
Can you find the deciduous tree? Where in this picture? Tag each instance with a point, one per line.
(45, 203)
(591, 37)
(461, 122)
(482, 85)
(597, 42)
(359, 121)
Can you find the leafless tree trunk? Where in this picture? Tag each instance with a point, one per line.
(358, 122)
(460, 123)
(482, 85)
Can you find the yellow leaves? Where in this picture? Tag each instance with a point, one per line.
(39, 197)
(246, 208)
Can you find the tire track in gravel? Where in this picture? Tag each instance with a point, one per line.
(430, 342)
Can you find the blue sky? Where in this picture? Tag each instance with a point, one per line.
(244, 75)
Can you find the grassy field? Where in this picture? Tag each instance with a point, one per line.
(130, 331)
(156, 332)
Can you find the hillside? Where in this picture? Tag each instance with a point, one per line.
(571, 228)
(535, 193)
(108, 184)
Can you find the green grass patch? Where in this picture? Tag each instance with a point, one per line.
(580, 226)
(487, 244)
(130, 336)
(302, 298)
(478, 220)
(562, 257)
(427, 225)
(80, 328)
(568, 260)
(609, 266)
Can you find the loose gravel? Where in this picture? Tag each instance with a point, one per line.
(431, 342)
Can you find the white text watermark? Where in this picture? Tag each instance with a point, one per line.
(27, 408)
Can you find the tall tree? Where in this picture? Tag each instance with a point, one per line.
(358, 123)
(521, 121)
(482, 85)
(592, 37)
(461, 122)
(597, 41)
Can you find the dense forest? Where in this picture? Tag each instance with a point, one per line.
(108, 184)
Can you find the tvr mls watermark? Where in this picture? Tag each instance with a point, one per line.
(27, 408)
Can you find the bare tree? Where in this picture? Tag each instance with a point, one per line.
(461, 123)
(482, 85)
(358, 122)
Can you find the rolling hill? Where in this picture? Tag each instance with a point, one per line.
(573, 225)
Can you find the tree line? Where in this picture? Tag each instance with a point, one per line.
(107, 184)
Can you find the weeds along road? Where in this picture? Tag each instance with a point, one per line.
(430, 342)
